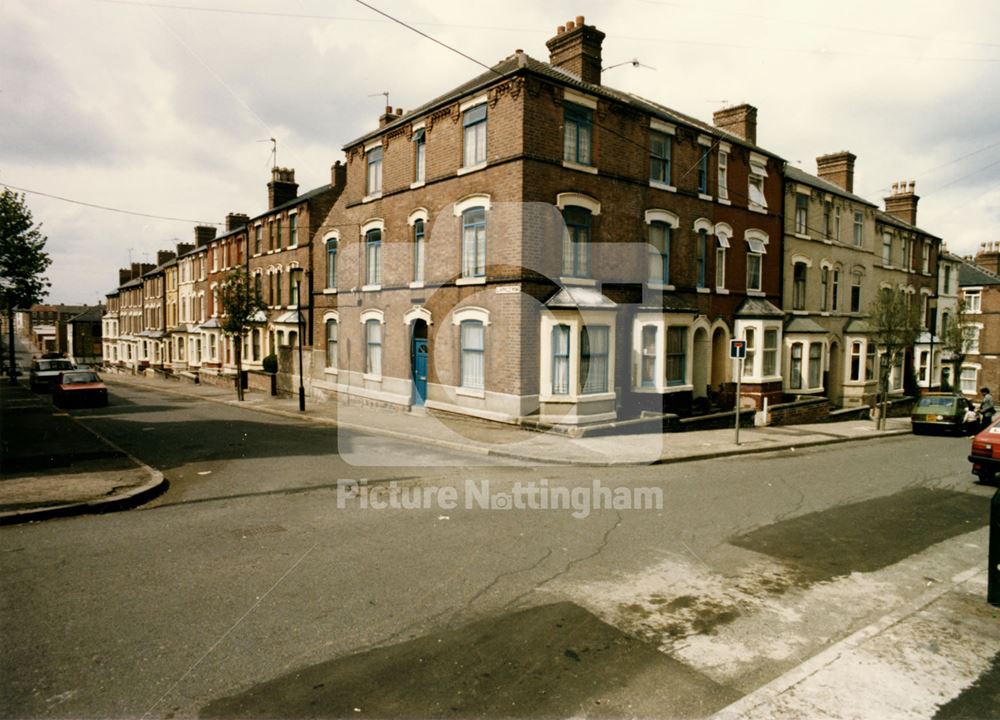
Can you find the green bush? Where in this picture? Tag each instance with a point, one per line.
(270, 364)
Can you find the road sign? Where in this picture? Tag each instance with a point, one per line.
(738, 349)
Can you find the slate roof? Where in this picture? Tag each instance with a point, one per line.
(522, 63)
(794, 174)
(803, 325)
(889, 219)
(971, 275)
(92, 314)
(669, 302)
(304, 197)
(758, 307)
(857, 326)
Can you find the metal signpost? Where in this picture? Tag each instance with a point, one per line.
(738, 352)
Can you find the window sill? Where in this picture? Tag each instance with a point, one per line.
(471, 169)
(471, 392)
(416, 285)
(723, 201)
(581, 168)
(827, 241)
(370, 288)
(802, 236)
(721, 291)
(588, 282)
(370, 198)
(757, 209)
(756, 293)
(659, 286)
(331, 371)
(330, 291)
(417, 184)
(471, 281)
(662, 186)
(703, 290)
(372, 378)
(704, 196)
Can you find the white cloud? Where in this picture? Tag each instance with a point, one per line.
(160, 110)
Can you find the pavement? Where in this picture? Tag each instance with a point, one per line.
(53, 466)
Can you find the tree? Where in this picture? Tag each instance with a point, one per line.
(955, 340)
(23, 262)
(895, 323)
(241, 302)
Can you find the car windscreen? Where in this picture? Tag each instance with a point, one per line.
(76, 378)
(937, 404)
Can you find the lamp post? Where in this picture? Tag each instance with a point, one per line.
(298, 312)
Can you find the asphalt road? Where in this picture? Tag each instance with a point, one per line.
(258, 585)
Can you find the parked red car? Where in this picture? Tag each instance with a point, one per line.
(985, 455)
(80, 388)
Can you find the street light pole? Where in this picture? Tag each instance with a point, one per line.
(298, 311)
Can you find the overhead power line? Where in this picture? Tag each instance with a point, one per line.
(106, 207)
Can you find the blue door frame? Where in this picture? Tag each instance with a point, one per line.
(418, 370)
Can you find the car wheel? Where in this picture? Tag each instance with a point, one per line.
(986, 477)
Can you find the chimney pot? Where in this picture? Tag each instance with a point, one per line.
(560, 29)
(569, 25)
(399, 111)
(579, 20)
(902, 203)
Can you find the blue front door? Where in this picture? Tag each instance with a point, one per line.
(419, 365)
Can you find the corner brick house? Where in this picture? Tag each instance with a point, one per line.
(536, 246)
(979, 287)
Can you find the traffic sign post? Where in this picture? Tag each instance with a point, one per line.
(738, 352)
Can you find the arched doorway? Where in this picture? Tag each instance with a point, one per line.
(418, 360)
(702, 359)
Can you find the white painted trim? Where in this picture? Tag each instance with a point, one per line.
(418, 312)
(590, 169)
(373, 314)
(579, 99)
(369, 146)
(471, 201)
(662, 186)
(663, 127)
(664, 216)
(419, 125)
(704, 224)
(473, 102)
(572, 199)
(705, 140)
(372, 224)
(796, 259)
(465, 170)
(419, 214)
(470, 281)
(331, 315)
(470, 312)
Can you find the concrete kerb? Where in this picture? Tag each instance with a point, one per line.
(523, 456)
(132, 497)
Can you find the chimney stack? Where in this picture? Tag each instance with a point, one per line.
(136, 271)
(338, 174)
(902, 203)
(184, 248)
(837, 168)
(388, 116)
(576, 47)
(124, 275)
(203, 234)
(163, 256)
(988, 256)
(740, 121)
(282, 187)
(145, 268)
(234, 221)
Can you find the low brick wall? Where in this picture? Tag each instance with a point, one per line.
(260, 381)
(799, 412)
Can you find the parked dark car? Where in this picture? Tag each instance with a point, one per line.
(944, 412)
(985, 455)
(45, 373)
(80, 388)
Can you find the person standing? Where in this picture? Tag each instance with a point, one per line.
(986, 408)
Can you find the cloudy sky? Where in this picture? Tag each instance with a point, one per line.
(160, 107)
